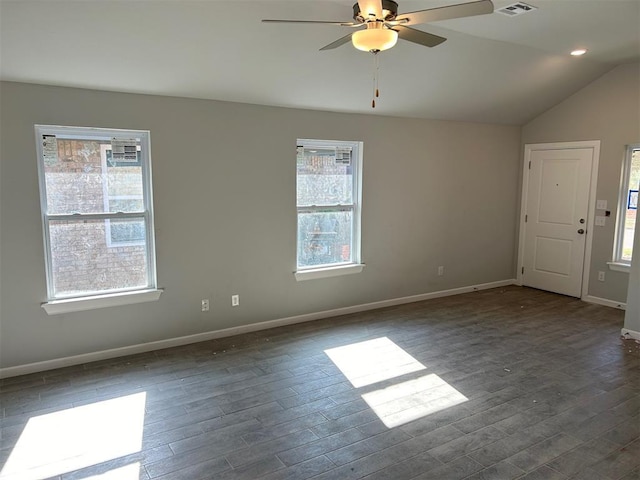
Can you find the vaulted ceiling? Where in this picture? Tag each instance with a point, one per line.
(493, 68)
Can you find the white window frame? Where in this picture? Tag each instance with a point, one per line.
(355, 265)
(618, 262)
(56, 304)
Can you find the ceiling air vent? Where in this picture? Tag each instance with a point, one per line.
(516, 9)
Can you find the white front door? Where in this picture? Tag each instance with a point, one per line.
(556, 218)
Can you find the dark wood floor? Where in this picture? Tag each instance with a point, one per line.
(511, 383)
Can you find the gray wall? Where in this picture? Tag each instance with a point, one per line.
(435, 193)
(607, 110)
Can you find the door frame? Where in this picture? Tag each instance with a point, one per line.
(586, 261)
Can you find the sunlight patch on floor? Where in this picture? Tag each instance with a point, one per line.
(78, 437)
(373, 361)
(407, 401)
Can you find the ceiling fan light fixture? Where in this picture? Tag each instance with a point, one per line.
(374, 39)
(579, 52)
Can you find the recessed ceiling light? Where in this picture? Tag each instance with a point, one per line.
(577, 53)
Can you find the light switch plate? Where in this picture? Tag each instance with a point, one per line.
(601, 204)
(601, 221)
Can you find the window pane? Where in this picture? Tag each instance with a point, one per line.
(123, 188)
(631, 207)
(125, 232)
(324, 176)
(83, 178)
(123, 204)
(324, 238)
(84, 260)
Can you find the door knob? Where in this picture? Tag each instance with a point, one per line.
(581, 231)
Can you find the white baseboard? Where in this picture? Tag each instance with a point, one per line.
(228, 332)
(626, 333)
(605, 301)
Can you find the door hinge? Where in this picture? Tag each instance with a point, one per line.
(523, 270)
(529, 164)
(526, 218)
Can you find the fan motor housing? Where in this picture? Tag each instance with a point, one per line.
(389, 12)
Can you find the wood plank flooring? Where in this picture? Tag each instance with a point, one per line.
(499, 384)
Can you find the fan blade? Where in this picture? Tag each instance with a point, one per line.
(418, 36)
(337, 43)
(342, 24)
(370, 9)
(446, 13)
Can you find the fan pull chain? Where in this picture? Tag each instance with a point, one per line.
(376, 75)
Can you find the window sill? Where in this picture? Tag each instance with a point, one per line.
(56, 307)
(619, 266)
(326, 272)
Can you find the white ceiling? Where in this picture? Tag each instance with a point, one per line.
(493, 68)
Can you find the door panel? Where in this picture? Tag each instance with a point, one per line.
(553, 255)
(558, 191)
(557, 209)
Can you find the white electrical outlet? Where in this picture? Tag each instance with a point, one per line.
(601, 221)
(440, 271)
(235, 300)
(205, 305)
(601, 276)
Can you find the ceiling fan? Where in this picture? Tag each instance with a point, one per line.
(383, 26)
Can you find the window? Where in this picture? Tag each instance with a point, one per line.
(627, 207)
(328, 203)
(95, 192)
